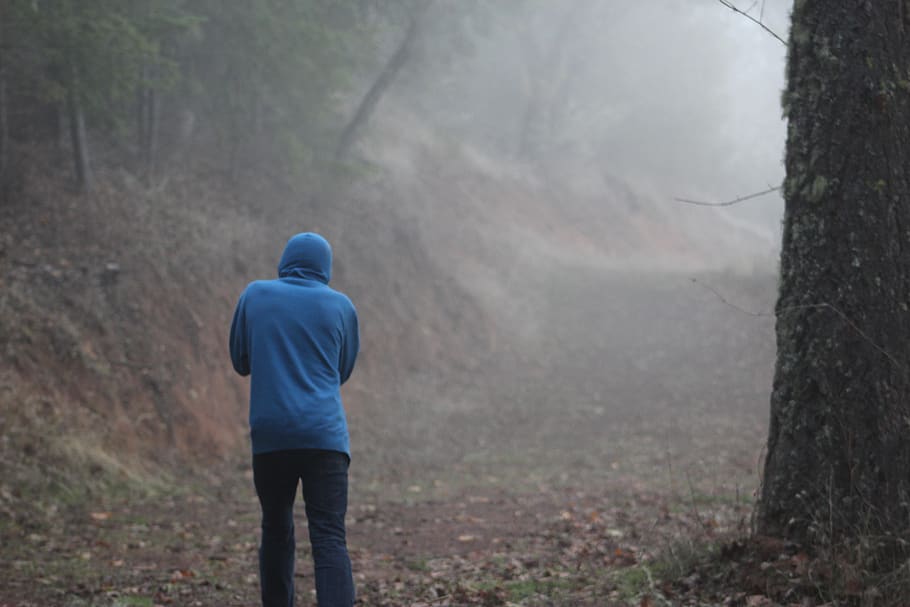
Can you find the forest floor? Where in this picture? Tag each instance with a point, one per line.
(622, 539)
(622, 472)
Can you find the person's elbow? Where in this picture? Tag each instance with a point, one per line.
(241, 365)
(346, 369)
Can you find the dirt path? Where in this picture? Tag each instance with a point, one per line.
(617, 449)
(486, 546)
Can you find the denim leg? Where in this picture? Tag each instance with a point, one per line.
(276, 479)
(325, 491)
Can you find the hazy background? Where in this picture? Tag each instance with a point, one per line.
(679, 97)
(544, 329)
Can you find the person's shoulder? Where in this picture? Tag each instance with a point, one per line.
(259, 286)
(340, 297)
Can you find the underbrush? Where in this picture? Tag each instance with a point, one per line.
(45, 470)
(757, 571)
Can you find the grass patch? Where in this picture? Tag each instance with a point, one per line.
(678, 559)
(681, 556)
(134, 601)
(525, 589)
(420, 565)
(633, 582)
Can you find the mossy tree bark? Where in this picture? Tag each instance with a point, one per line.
(838, 460)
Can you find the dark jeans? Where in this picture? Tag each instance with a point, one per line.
(324, 479)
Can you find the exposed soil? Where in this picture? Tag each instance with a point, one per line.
(538, 416)
(591, 475)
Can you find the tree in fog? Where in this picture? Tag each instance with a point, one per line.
(548, 71)
(838, 461)
(259, 81)
(426, 35)
(413, 16)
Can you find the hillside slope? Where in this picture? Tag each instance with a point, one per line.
(114, 307)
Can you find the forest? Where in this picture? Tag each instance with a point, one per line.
(631, 281)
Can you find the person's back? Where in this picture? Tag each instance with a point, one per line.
(298, 339)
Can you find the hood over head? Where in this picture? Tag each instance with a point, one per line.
(307, 255)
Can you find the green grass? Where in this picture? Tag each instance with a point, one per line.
(675, 560)
(633, 582)
(419, 564)
(134, 601)
(525, 589)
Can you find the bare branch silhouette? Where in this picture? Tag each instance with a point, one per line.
(817, 306)
(729, 4)
(728, 203)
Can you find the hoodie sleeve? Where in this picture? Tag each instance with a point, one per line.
(238, 343)
(350, 345)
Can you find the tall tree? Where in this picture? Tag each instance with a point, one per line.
(427, 35)
(546, 74)
(91, 51)
(270, 72)
(162, 25)
(838, 460)
(383, 81)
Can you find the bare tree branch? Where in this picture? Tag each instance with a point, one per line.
(729, 203)
(818, 306)
(729, 4)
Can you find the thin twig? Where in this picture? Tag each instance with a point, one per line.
(695, 511)
(729, 203)
(758, 22)
(897, 363)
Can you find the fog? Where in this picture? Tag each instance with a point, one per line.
(680, 98)
(555, 378)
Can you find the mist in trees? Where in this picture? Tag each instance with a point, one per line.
(679, 98)
(255, 83)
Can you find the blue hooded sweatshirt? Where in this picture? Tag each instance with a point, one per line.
(298, 339)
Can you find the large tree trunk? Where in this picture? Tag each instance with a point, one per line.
(838, 460)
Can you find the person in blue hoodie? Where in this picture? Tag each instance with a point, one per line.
(298, 340)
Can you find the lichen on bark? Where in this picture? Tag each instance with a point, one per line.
(837, 461)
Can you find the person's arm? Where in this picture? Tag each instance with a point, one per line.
(350, 345)
(238, 342)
